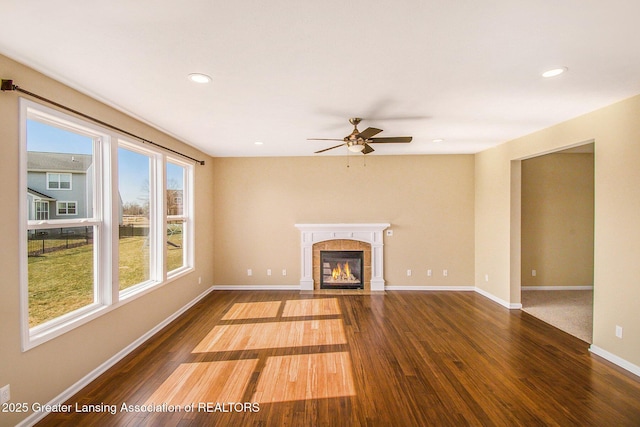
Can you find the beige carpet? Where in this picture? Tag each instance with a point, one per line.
(570, 311)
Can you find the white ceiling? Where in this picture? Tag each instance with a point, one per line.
(284, 71)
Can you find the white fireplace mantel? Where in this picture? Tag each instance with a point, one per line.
(368, 233)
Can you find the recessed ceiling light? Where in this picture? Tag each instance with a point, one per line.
(555, 72)
(438, 140)
(259, 143)
(199, 78)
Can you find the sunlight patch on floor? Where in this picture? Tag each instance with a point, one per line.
(311, 307)
(253, 310)
(224, 381)
(305, 376)
(272, 335)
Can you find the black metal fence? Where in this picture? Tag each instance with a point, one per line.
(132, 230)
(40, 242)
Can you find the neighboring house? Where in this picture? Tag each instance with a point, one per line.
(174, 202)
(59, 185)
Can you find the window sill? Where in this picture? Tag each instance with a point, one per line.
(61, 325)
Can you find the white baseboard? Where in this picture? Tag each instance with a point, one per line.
(427, 288)
(557, 288)
(83, 382)
(634, 369)
(510, 306)
(256, 287)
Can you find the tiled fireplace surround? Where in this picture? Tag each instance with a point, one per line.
(359, 237)
(342, 245)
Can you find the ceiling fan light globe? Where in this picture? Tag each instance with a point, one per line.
(355, 148)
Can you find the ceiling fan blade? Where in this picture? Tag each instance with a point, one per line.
(330, 148)
(394, 118)
(325, 139)
(369, 132)
(392, 139)
(367, 149)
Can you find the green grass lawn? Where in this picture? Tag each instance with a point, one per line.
(62, 281)
(134, 261)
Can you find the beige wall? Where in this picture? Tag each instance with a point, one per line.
(41, 373)
(616, 132)
(557, 220)
(427, 199)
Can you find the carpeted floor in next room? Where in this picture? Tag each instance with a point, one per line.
(570, 311)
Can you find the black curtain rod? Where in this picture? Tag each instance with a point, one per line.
(7, 85)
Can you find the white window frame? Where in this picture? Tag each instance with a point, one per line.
(186, 218)
(156, 275)
(60, 174)
(105, 222)
(66, 209)
(32, 337)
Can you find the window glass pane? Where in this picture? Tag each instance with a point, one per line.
(175, 189)
(60, 268)
(175, 245)
(134, 246)
(176, 255)
(60, 166)
(41, 210)
(53, 180)
(65, 180)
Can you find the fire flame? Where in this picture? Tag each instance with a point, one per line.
(337, 272)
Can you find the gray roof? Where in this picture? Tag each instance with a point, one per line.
(37, 161)
(39, 194)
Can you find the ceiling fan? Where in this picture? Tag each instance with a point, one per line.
(358, 142)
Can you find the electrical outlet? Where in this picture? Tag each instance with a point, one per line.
(429, 273)
(268, 272)
(618, 331)
(284, 271)
(199, 280)
(5, 394)
(408, 272)
(486, 277)
(445, 273)
(249, 272)
(533, 273)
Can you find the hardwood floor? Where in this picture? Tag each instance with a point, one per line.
(401, 359)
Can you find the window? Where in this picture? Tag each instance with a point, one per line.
(41, 210)
(53, 290)
(67, 208)
(136, 252)
(58, 181)
(178, 218)
(127, 229)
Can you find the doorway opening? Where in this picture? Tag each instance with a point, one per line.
(557, 239)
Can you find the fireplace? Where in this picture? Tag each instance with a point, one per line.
(343, 237)
(342, 270)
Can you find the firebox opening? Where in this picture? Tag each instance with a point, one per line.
(341, 270)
